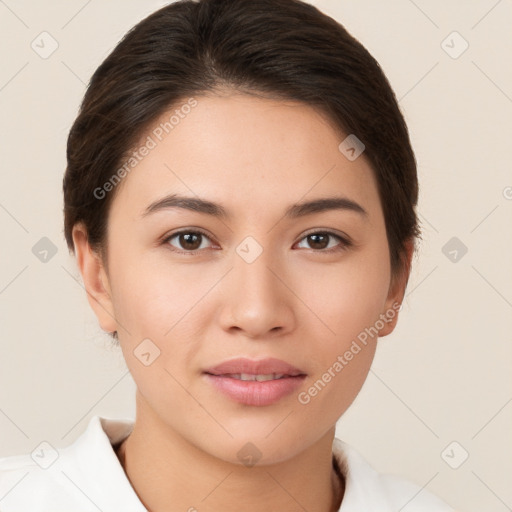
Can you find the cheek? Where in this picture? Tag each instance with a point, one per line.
(347, 302)
(347, 297)
(333, 389)
(152, 295)
(161, 307)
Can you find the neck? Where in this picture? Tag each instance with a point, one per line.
(171, 470)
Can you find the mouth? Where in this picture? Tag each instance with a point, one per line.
(255, 383)
(252, 377)
(247, 369)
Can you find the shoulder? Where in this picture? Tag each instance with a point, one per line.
(366, 490)
(410, 497)
(26, 484)
(84, 476)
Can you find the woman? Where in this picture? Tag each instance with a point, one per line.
(240, 196)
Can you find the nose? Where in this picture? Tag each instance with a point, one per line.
(257, 297)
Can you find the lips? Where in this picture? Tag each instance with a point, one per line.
(243, 368)
(255, 383)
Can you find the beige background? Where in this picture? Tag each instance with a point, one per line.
(444, 375)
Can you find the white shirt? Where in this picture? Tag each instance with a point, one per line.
(86, 476)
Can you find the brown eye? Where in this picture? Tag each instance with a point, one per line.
(188, 241)
(319, 241)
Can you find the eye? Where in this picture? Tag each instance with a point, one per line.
(188, 240)
(319, 239)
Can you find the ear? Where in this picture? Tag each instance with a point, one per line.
(396, 293)
(95, 279)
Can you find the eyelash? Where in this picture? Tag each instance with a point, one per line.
(346, 243)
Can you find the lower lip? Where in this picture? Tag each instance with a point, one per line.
(252, 392)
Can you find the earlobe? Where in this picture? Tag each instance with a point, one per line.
(95, 279)
(396, 293)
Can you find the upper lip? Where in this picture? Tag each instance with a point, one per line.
(251, 367)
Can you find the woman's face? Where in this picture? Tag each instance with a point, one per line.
(253, 283)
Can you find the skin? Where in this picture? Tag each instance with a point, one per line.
(255, 157)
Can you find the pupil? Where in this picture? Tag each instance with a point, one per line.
(315, 239)
(187, 238)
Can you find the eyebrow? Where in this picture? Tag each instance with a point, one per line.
(294, 211)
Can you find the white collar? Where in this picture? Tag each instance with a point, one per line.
(91, 458)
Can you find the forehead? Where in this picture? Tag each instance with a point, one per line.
(242, 150)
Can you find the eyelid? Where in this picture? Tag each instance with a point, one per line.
(327, 231)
